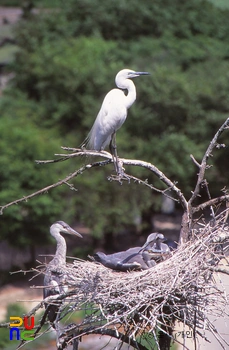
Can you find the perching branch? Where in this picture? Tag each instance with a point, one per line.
(108, 160)
(133, 162)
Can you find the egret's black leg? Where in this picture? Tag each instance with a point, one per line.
(113, 150)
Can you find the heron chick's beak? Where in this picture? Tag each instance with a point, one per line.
(69, 230)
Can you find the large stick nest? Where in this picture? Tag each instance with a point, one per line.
(181, 288)
(133, 304)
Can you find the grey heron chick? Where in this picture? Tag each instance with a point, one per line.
(158, 251)
(55, 273)
(154, 243)
(113, 114)
(137, 258)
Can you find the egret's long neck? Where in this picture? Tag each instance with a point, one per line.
(131, 96)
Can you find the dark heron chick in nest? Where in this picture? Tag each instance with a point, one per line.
(55, 277)
(137, 258)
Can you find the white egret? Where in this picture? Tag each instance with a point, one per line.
(113, 114)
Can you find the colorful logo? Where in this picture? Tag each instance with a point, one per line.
(19, 334)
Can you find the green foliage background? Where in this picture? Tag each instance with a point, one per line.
(66, 62)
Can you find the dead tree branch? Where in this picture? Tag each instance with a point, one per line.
(203, 165)
(132, 162)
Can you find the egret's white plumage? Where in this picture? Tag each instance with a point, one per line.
(113, 111)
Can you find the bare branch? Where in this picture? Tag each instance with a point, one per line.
(203, 164)
(213, 201)
(194, 161)
(76, 153)
(132, 162)
(108, 160)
